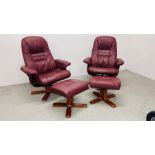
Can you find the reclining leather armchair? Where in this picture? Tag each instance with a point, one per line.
(40, 65)
(103, 60)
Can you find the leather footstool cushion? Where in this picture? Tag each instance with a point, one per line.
(69, 88)
(105, 82)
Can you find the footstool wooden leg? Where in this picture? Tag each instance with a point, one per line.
(96, 93)
(69, 107)
(95, 100)
(111, 96)
(68, 112)
(59, 105)
(79, 105)
(110, 103)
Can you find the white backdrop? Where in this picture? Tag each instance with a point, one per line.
(138, 52)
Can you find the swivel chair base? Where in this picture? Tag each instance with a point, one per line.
(46, 91)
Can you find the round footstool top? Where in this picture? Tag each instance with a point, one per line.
(105, 82)
(69, 88)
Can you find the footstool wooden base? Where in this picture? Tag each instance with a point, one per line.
(103, 96)
(69, 104)
(68, 89)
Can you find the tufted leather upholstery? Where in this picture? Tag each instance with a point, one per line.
(40, 65)
(69, 88)
(105, 82)
(104, 57)
(104, 52)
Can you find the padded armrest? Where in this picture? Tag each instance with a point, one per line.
(62, 64)
(119, 62)
(29, 71)
(87, 60)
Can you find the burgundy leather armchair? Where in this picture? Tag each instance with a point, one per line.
(40, 66)
(103, 60)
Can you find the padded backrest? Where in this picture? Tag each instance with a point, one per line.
(37, 54)
(104, 52)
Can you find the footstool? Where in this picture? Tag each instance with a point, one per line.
(68, 89)
(103, 83)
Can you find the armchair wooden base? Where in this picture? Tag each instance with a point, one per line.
(46, 91)
(103, 96)
(70, 104)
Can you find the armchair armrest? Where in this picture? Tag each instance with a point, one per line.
(119, 62)
(62, 64)
(87, 60)
(29, 71)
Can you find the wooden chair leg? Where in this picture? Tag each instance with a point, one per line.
(46, 96)
(38, 92)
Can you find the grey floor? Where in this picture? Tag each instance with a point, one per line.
(134, 100)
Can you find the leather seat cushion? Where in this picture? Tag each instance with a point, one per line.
(105, 82)
(53, 76)
(69, 88)
(103, 70)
